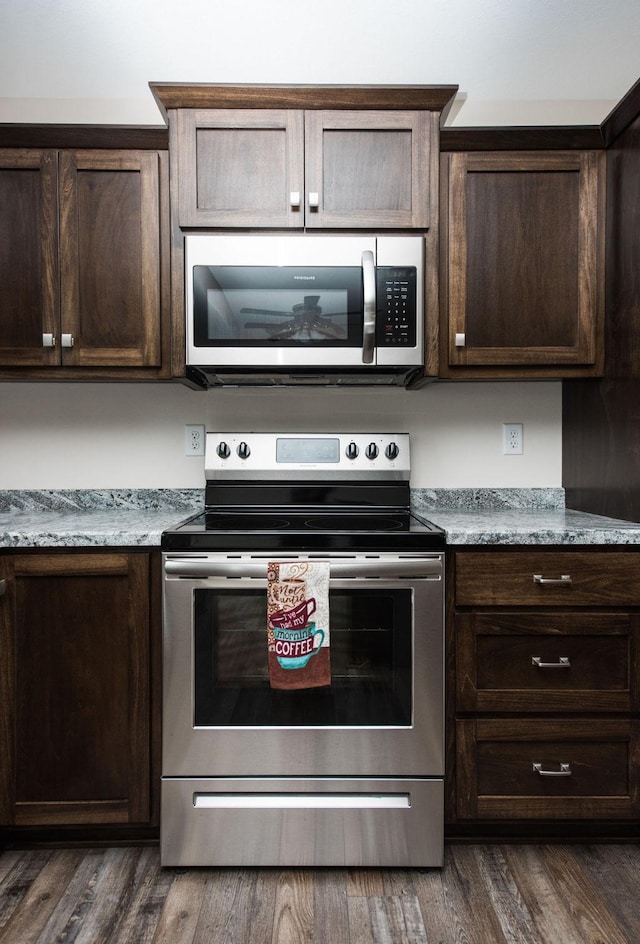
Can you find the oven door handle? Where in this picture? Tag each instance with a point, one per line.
(403, 568)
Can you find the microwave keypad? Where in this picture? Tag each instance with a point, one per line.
(396, 290)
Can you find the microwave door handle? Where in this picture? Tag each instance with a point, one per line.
(369, 322)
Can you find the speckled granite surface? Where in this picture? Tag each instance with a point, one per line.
(137, 517)
(492, 526)
(477, 499)
(101, 499)
(93, 518)
(517, 516)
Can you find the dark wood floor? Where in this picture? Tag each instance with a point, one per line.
(486, 894)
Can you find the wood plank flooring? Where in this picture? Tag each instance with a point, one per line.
(486, 894)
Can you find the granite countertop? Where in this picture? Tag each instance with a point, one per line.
(492, 526)
(93, 518)
(137, 518)
(517, 516)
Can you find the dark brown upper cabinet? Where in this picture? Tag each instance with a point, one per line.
(304, 157)
(81, 262)
(288, 168)
(523, 264)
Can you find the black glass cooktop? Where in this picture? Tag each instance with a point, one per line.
(302, 529)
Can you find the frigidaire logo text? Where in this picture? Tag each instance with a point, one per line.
(305, 278)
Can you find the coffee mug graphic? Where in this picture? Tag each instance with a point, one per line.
(287, 592)
(295, 647)
(295, 618)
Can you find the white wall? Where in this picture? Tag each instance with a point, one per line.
(132, 435)
(516, 62)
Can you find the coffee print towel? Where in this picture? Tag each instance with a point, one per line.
(298, 624)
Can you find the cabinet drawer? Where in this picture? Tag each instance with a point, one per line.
(555, 578)
(540, 662)
(564, 769)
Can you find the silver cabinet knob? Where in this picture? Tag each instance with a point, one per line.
(461, 339)
(314, 199)
(67, 340)
(294, 198)
(48, 340)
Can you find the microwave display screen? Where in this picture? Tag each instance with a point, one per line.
(263, 306)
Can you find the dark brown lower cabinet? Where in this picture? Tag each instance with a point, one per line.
(547, 769)
(75, 681)
(544, 694)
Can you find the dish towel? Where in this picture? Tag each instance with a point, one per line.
(298, 624)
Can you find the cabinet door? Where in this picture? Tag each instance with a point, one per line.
(524, 257)
(367, 168)
(74, 689)
(110, 258)
(29, 297)
(240, 167)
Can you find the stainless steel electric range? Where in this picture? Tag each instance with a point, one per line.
(303, 659)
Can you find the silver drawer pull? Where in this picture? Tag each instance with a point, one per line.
(565, 771)
(564, 581)
(562, 663)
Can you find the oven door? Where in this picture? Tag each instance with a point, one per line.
(382, 714)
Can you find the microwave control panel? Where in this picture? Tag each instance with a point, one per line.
(396, 315)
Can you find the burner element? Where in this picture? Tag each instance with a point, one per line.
(248, 522)
(367, 522)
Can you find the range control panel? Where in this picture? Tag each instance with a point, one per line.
(320, 456)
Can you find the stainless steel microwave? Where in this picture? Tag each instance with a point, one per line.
(304, 309)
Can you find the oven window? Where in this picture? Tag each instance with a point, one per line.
(277, 306)
(371, 671)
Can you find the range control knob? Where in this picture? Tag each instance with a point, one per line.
(222, 449)
(352, 451)
(391, 452)
(372, 451)
(243, 450)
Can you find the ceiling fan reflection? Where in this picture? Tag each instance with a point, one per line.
(304, 323)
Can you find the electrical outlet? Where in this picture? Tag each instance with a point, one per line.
(512, 439)
(194, 440)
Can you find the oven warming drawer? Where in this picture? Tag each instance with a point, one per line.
(302, 822)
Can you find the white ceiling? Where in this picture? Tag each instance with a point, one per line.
(515, 61)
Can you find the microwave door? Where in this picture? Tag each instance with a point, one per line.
(284, 316)
(369, 313)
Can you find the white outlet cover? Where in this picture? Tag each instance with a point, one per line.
(194, 440)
